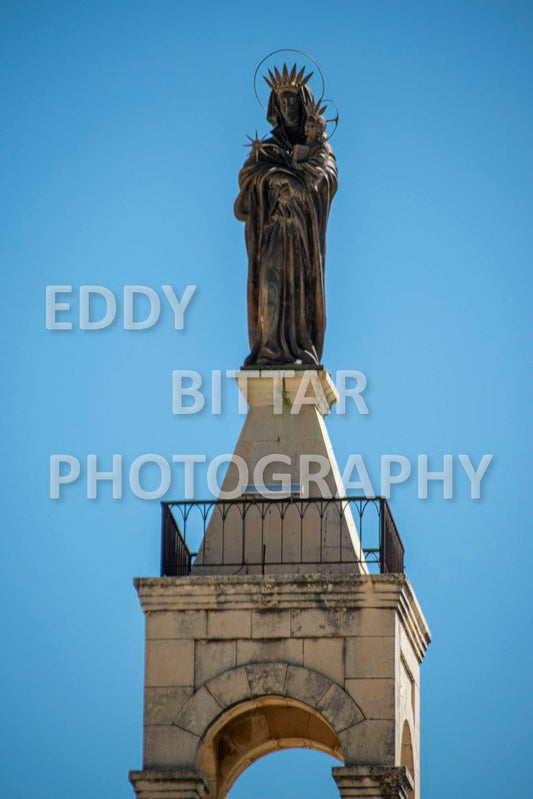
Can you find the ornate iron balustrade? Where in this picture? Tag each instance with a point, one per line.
(184, 525)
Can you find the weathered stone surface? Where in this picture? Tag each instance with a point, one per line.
(340, 592)
(167, 746)
(369, 621)
(266, 678)
(370, 656)
(248, 729)
(339, 709)
(373, 782)
(288, 724)
(306, 685)
(288, 650)
(170, 784)
(315, 622)
(169, 662)
(229, 624)
(325, 655)
(271, 624)
(408, 653)
(407, 691)
(198, 712)
(161, 703)
(374, 696)
(212, 658)
(168, 624)
(230, 687)
(369, 742)
(256, 728)
(337, 650)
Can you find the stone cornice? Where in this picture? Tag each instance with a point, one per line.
(393, 782)
(285, 592)
(154, 784)
(259, 389)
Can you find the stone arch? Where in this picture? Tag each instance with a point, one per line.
(250, 711)
(257, 728)
(406, 753)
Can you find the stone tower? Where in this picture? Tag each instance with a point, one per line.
(277, 634)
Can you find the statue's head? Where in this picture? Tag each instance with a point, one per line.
(289, 97)
(315, 124)
(290, 107)
(315, 129)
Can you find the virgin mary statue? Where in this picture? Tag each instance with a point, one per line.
(286, 188)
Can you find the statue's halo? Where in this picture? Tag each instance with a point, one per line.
(315, 68)
(333, 120)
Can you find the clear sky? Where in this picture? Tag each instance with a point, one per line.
(122, 133)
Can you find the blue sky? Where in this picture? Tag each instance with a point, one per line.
(122, 134)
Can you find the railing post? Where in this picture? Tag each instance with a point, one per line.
(164, 511)
(382, 533)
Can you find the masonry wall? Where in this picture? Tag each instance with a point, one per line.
(348, 648)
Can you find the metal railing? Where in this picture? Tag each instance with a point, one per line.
(184, 525)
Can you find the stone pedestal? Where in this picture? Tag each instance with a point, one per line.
(285, 450)
(373, 782)
(301, 647)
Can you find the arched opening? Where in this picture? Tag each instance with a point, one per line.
(259, 727)
(406, 754)
(299, 773)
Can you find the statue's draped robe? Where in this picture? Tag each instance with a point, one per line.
(285, 205)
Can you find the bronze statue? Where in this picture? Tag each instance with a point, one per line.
(286, 188)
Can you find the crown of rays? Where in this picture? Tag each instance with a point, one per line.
(278, 81)
(316, 109)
